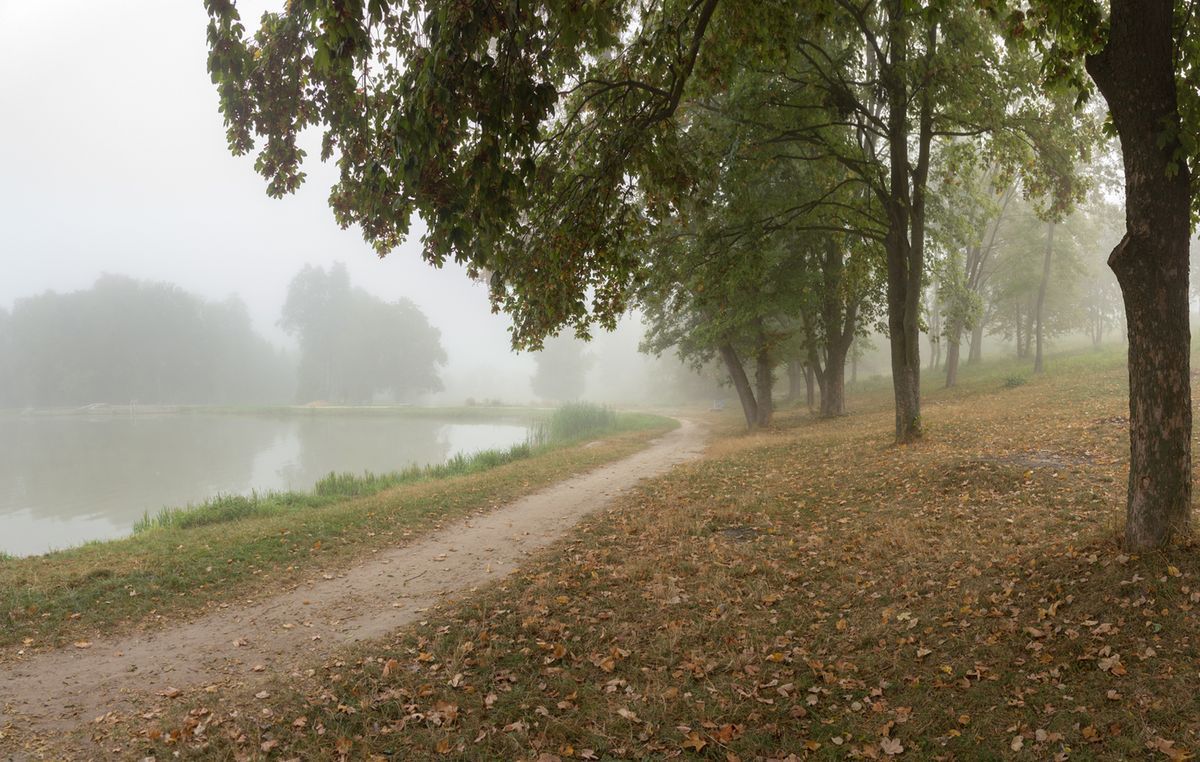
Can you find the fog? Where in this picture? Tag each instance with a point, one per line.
(115, 162)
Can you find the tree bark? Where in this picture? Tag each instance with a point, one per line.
(1019, 325)
(905, 239)
(976, 355)
(1029, 325)
(833, 391)
(810, 393)
(841, 322)
(795, 371)
(1038, 366)
(764, 376)
(818, 373)
(1136, 74)
(953, 342)
(935, 334)
(741, 383)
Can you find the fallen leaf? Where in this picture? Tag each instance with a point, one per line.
(694, 742)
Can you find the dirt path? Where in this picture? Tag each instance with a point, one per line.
(59, 690)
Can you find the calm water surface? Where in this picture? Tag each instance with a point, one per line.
(68, 479)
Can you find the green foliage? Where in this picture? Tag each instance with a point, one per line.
(354, 346)
(573, 422)
(452, 110)
(1012, 382)
(562, 369)
(125, 340)
(1066, 33)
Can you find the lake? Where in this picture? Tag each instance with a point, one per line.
(68, 479)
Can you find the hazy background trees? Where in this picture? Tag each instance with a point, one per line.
(562, 366)
(127, 341)
(355, 347)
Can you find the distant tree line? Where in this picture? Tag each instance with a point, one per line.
(125, 340)
(355, 347)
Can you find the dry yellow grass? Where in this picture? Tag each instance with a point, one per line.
(808, 592)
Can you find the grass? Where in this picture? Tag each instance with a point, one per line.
(573, 422)
(564, 426)
(812, 590)
(184, 562)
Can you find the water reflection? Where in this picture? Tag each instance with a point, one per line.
(65, 480)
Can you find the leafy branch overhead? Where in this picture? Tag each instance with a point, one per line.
(474, 116)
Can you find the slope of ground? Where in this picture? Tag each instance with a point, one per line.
(810, 592)
(158, 578)
(240, 646)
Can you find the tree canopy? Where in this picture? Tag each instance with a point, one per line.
(355, 347)
(751, 175)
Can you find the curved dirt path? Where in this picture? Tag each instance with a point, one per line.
(61, 690)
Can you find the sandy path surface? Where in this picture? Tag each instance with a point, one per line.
(59, 690)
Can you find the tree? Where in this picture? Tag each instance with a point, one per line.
(522, 134)
(562, 368)
(353, 346)
(124, 340)
(1141, 55)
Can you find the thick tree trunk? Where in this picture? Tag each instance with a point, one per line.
(976, 355)
(953, 343)
(1029, 320)
(1041, 298)
(737, 374)
(841, 323)
(795, 373)
(1136, 74)
(904, 243)
(833, 391)
(935, 335)
(853, 367)
(1020, 337)
(764, 376)
(810, 392)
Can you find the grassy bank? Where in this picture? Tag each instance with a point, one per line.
(183, 561)
(565, 426)
(812, 590)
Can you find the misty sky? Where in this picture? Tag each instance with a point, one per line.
(113, 159)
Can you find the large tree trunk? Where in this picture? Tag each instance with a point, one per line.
(953, 342)
(764, 376)
(795, 373)
(1019, 325)
(905, 239)
(737, 374)
(841, 323)
(935, 334)
(1029, 324)
(810, 392)
(1041, 298)
(1136, 74)
(833, 391)
(976, 355)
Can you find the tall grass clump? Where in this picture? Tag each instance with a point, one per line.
(566, 425)
(571, 423)
(333, 488)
